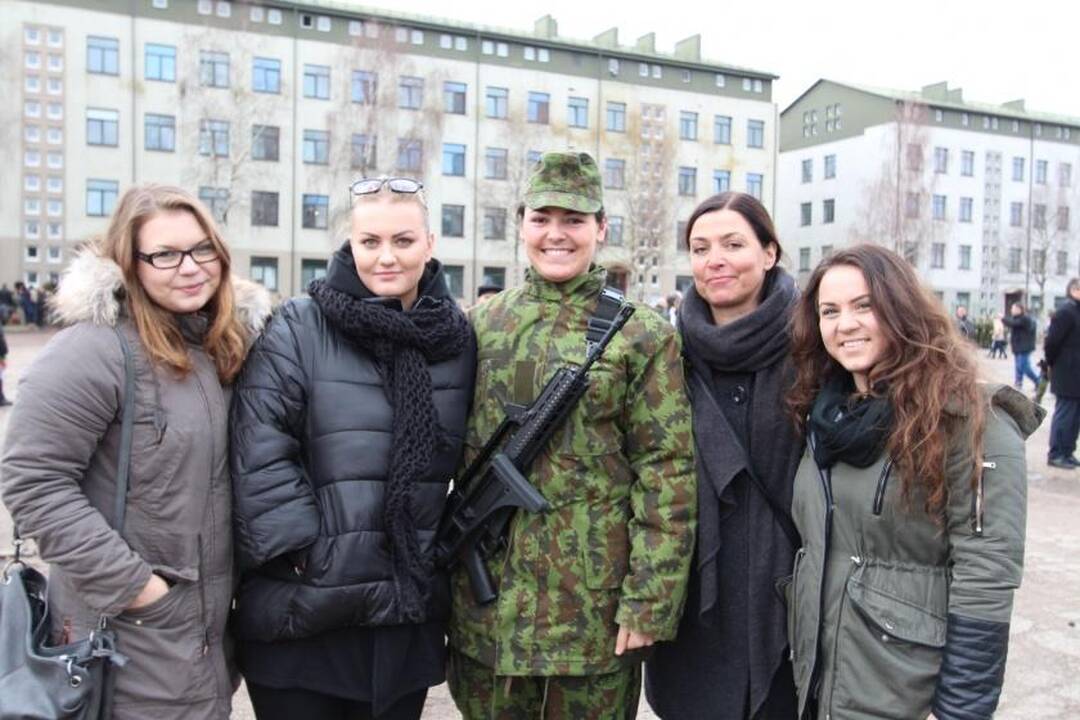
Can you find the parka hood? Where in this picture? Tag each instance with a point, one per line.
(92, 290)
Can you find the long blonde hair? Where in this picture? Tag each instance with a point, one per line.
(226, 338)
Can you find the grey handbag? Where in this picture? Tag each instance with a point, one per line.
(39, 681)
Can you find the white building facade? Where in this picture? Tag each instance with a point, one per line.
(982, 199)
(268, 111)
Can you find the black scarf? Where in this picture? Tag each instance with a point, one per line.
(847, 427)
(403, 343)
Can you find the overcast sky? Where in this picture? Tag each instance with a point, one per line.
(996, 51)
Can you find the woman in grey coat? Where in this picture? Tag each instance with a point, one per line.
(910, 501)
(161, 275)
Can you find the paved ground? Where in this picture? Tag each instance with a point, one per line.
(1043, 677)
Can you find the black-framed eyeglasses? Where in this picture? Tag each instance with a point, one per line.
(204, 252)
(370, 186)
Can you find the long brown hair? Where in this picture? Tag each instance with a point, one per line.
(226, 338)
(927, 372)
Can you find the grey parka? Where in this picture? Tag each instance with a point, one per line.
(58, 481)
(889, 613)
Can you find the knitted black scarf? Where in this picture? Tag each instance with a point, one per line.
(847, 427)
(403, 343)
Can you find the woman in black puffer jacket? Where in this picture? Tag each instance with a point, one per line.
(347, 425)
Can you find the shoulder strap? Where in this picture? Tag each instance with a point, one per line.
(782, 515)
(127, 428)
(611, 300)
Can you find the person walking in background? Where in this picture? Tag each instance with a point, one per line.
(998, 341)
(1062, 353)
(1022, 339)
(161, 277)
(26, 304)
(41, 306)
(3, 365)
(7, 304)
(910, 500)
(348, 423)
(963, 323)
(730, 660)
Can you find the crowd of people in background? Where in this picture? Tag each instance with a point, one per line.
(25, 305)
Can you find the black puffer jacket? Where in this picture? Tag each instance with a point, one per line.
(1021, 333)
(1062, 350)
(311, 434)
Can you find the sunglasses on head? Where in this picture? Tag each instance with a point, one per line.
(370, 186)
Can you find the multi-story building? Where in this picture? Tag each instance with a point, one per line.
(981, 198)
(269, 109)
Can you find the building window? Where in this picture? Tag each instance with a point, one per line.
(1040, 171)
(614, 174)
(577, 112)
(1038, 216)
(941, 160)
(32, 60)
(315, 211)
(1016, 214)
(264, 272)
(532, 157)
(364, 87)
(1062, 262)
(755, 133)
(410, 155)
(264, 142)
(55, 111)
(363, 151)
(495, 163)
(454, 97)
(721, 180)
(828, 211)
(1018, 169)
(914, 157)
(32, 229)
(755, 184)
(830, 167)
(310, 270)
(966, 208)
(937, 255)
(455, 279)
(1065, 174)
(54, 254)
(807, 170)
(160, 63)
(214, 138)
(494, 223)
(539, 104)
(453, 221)
(688, 125)
(264, 208)
(32, 109)
(688, 181)
(316, 147)
(55, 231)
(55, 160)
(911, 205)
(1063, 217)
(806, 214)
(410, 93)
(102, 127)
(103, 55)
(217, 199)
(32, 183)
(55, 207)
(160, 131)
(31, 206)
(967, 163)
(101, 197)
(317, 82)
(615, 230)
(616, 117)
(722, 130)
(214, 69)
(55, 184)
(495, 102)
(266, 75)
(1038, 263)
(939, 207)
(965, 257)
(1015, 258)
(453, 159)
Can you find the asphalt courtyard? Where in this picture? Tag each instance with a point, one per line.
(1042, 681)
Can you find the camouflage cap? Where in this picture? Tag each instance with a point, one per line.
(565, 180)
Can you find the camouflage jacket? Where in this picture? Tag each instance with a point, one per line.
(615, 549)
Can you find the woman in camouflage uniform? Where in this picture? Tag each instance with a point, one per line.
(604, 572)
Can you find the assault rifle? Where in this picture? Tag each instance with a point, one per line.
(478, 511)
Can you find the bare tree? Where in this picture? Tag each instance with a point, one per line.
(1052, 231)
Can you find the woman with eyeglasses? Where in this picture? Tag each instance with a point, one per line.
(910, 500)
(347, 426)
(160, 276)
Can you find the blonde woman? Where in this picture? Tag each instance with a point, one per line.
(161, 275)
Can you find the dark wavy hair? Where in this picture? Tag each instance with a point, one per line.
(927, 371)
(746, 205)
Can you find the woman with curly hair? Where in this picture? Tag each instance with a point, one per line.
(910, 501)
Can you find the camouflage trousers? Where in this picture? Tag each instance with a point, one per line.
(480, 694)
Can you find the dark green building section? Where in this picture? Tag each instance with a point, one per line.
(566, 57)
(866, 107)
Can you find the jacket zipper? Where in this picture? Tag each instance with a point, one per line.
(795, 610)
(826, 485)
(978, 507)
(210, 510)
(879, 496)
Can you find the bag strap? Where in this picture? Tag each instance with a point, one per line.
(127, 431)
(782, 515)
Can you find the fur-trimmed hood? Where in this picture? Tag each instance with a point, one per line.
(92, 290)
